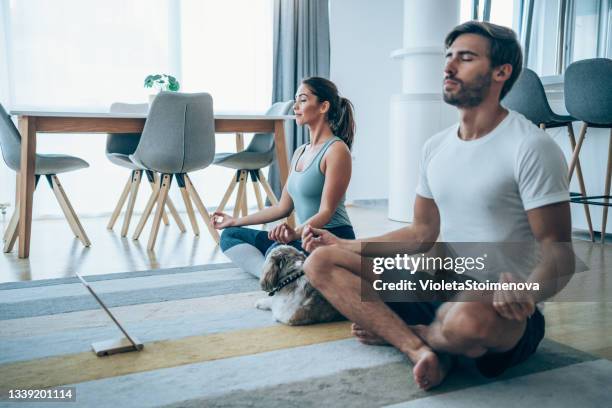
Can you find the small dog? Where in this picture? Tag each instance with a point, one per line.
(297, 303)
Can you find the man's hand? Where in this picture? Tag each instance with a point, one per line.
(283, 233)
(312, 238)
(513, 304)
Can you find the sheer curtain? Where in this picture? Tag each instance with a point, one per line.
(85, 55)
(227, 51)
(7, 177)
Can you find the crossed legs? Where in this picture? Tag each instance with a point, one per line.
(461, 328)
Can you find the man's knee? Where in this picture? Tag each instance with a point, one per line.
(317, 266)
(469, 323)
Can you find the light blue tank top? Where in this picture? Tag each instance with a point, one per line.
(306, 188)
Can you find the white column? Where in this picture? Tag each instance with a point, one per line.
(419, 111)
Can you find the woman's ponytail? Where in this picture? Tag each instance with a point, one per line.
(341, 115)
(343, 124)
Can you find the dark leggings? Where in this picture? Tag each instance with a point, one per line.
(233, 236)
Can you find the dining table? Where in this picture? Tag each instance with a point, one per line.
(34, 121)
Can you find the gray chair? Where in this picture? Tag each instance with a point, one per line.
(178, 138)
(119, 147)
(528, 97)
(48, 165)
(249, 162)
(588, 97)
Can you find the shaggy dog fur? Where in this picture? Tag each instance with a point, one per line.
(298, 303)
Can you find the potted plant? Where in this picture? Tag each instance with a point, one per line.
(162, 82)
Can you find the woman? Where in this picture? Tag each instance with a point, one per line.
(319, 176)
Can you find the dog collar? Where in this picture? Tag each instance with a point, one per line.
(285, 282)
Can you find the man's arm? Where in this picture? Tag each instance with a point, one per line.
(552, 227)
(418, 236)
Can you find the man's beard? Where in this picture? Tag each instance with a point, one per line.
(471, 94)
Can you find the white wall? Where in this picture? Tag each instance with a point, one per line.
(363, 34)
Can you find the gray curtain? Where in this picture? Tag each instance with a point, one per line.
(301, 49)
(525, 22)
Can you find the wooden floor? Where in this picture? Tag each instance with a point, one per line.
(56, 253)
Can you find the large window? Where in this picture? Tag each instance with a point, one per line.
(227, 50)
(559, 32)
(502, 12)
(554, 33)
(85, 54)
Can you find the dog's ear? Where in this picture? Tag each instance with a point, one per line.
(270, 273)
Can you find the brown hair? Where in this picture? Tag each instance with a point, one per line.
(340, 114)
(504, 47)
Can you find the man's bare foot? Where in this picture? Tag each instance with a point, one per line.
(366, 337)
(430, 369)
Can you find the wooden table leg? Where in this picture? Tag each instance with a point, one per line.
(27, 128)
(281, 151)
(282, 159)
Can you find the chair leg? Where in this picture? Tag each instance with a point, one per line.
(136, 177)
(10, 236)
(587, 211)
(255, 184)
(152, 182)
(175, 215)
(228, 194)
(71, 216)
(12, 231)
(72, 226)
(604, 219)
(244, 202)
(576, 154)
(240, 194)
(267, 188)
(201, 208)
(15, 216)
(147, 211)
(180, 180)
(14, 220)
(120, 203)
(166, 180)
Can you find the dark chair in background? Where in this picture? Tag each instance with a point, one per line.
(178, 138)
(48, 165)
(528, 98)
(249, 162)
(119, 147)
(588, 97)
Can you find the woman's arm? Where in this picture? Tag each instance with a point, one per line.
(276, 212)
(336, 166)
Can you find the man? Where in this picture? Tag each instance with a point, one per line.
(493, 178)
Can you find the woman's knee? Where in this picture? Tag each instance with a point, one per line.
(230, 237)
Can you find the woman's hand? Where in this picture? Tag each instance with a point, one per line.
(283, 233)
(221, 220)
(312, 238)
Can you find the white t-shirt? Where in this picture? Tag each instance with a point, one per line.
(484, 187)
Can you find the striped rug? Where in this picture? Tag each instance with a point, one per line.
(206, 345)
